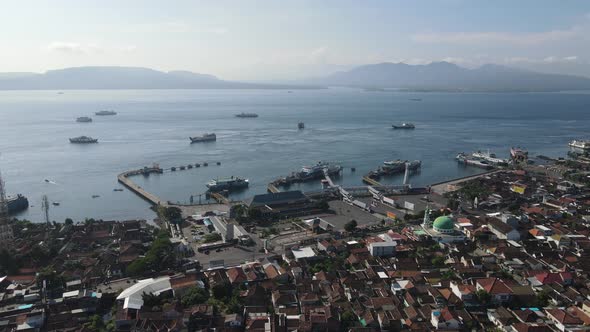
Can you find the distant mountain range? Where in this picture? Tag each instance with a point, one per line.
(437, 76)
(444, 76)
(125, 78)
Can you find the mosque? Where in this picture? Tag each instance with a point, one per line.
(442, 229)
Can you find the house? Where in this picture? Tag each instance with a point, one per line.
(564, 321)
(499, 291)
(502, 230)
(444, 319)
(382, 249)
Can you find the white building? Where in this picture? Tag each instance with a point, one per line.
(380, 249)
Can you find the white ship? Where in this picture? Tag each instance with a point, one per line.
(580, 144)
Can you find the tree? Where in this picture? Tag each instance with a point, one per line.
(347, 319)
(171, 213)
(542, 298)
(95, 323)
(351, 226)
(438, 261)
(483, 296)
(221, 292)
(195, 295)
(69, 221)
(323, 205)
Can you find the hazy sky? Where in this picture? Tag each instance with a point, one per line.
(281, 39)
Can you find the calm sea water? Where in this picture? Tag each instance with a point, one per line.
(348, 126)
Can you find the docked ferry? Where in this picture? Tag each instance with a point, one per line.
(231, 183)
(462, 158)
(204, 138)
(83, 140)
(580, 144)
(489, 157)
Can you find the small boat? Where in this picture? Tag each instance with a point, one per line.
(204, 138)
(102, 113)
(205, 164)
(404, 126)
(246, 115)
(55, 204)
(95, 196)
(83, 140)
(301, 125)
(83, 119)
(117, 189)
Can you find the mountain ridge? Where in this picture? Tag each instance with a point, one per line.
(448, 76)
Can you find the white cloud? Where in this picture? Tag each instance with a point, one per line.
(87, 48)
(495, 37)
(74, 48)
(545, 60)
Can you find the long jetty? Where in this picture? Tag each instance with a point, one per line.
(371, 181)
(123, 178)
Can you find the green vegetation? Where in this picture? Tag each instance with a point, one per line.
(194, 296)
(483, 296)
(438, 261)
(8, 263)
(212, 237)
(172, 214)
(160, 256)
(95, 323)
(226, 299)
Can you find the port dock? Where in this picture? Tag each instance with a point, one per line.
(123, 178)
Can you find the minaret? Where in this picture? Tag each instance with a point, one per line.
(426, 223)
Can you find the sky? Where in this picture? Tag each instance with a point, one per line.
(292, 39)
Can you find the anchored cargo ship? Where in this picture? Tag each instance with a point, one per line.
(204, 138)
(404, 126)
(106, 113)
(83, 140)
(17, 203)
(83, 119)
(229, 184)
(580, 144)
(462, 158)
(246, 115)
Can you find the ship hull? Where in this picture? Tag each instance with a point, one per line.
(17, 204)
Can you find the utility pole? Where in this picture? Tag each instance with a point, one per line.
(45, 207)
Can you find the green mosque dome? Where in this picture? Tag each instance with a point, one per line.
(443, 224)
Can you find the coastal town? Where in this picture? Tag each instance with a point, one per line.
(504, 250)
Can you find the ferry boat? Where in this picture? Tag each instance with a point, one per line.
(301, 125)
(396, 166)
(470, 161)
(231, 183)
(246, 115)
(580, 144)
(83, 140)
(83, 119)
(106, 113)
(16, 203)
(317, 170)
(204, 138)
(489, 157)
(404, 125)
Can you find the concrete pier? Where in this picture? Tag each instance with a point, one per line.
(272, 188)
(123, 178)
(372, 182)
